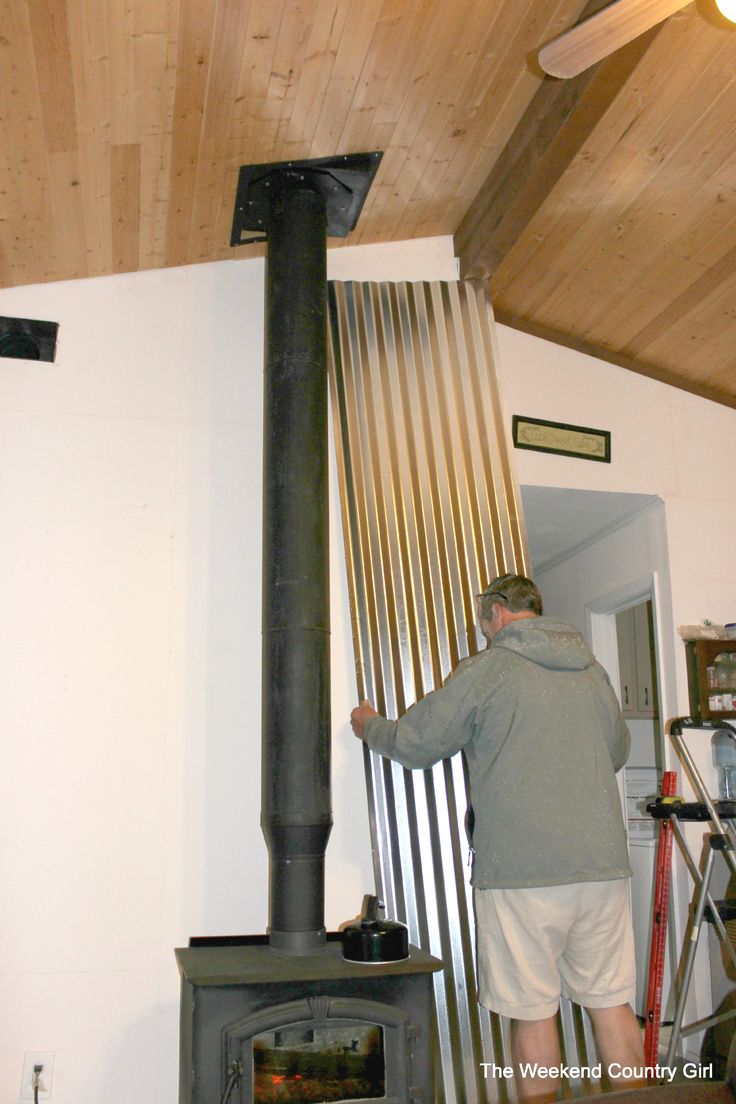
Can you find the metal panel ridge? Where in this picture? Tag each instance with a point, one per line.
(431, 512)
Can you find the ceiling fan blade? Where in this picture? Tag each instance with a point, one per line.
(597, 37)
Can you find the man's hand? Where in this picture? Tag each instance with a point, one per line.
(360, 715)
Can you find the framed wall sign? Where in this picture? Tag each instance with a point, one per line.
(558, 437)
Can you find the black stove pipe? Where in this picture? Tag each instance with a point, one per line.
(296, 815)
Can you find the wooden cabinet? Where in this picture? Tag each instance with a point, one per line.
(636, 662)
(718, 701)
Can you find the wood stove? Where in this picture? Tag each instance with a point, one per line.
(283, 1017)
(260, 1028)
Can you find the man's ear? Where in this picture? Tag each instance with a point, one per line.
(504, 614)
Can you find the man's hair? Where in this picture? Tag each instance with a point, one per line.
(515, 593)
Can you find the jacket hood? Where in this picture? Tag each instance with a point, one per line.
(547, 642)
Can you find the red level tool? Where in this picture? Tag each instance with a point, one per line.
(659, 928)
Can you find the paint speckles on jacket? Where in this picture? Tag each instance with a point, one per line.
(543, 734)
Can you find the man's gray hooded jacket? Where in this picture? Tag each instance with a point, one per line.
(543, 735)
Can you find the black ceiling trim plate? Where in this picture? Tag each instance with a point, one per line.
(343, 182)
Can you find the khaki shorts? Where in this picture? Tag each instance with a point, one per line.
(537, 944)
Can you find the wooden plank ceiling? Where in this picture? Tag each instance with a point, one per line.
(602, 209)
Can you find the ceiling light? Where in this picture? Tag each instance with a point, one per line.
(727, 8)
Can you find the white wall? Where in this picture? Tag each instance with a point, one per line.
(130, 642)
(664, 442)
(130, 496)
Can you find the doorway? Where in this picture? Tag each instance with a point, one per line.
(624, 638)
(601, 563)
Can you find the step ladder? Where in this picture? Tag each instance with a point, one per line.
(721, 815)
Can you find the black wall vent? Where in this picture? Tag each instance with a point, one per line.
(28, 339)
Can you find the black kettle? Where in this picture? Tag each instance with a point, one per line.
(374, 940)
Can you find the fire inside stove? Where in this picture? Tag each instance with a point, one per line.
(307, 1064)
(261, 1028)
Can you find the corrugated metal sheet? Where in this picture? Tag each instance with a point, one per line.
(431, 513)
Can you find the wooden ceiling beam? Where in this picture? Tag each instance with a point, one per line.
(559, 120)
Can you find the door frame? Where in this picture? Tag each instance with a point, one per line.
(601, 625)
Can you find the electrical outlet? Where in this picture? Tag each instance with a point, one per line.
(33, 1058)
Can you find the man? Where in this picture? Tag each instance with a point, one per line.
(543, 735)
